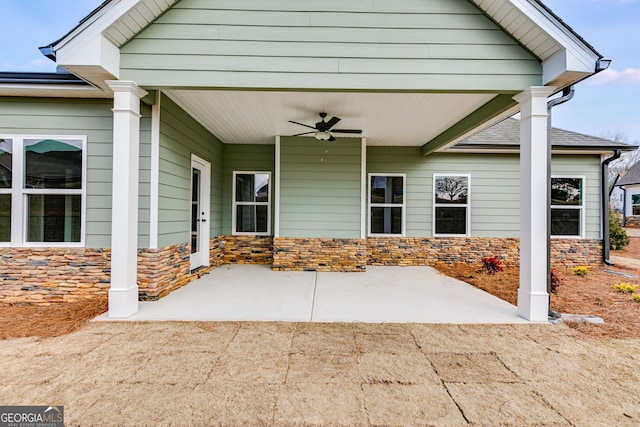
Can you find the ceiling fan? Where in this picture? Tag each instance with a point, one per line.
(322, 130)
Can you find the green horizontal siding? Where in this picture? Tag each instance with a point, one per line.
(247, 158)
(90, 118)
(589, 167)
(404, 44)
(320, 188)
(495, 187)
(181, 136)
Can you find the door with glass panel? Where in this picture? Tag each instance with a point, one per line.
(200, 225)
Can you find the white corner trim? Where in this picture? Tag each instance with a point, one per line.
(363, 190)
(154, 172)
(276, 191)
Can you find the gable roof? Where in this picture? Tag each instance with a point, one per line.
(505, 136)
(566, 57)
(631, 177)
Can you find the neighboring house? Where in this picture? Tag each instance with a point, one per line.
(627, 190)
(166, 152)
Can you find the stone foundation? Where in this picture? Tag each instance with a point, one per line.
(163, 270)
(434, 250)
(247, 249)
(407, 251)
(632, 221)
(307, 254)
(575, 252)
(48, 275)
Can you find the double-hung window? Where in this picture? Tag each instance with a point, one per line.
(567, 206)
(387, 204)
(42, 190)
(251, 203)
(451, 205)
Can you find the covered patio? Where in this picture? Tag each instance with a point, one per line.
(379, 295)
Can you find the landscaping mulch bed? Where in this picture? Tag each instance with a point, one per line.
(19, 321)
(591, 294)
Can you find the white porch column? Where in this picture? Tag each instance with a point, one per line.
(123, 293)
(533, 299)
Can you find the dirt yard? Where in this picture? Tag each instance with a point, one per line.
(310, 374)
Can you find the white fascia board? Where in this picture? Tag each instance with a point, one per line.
(95, 52)
(563, 67)
(86, 46)
(577, 57)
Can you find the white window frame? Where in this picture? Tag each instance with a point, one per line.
(467, 205)
(235, 204)
(403, 205)
(19, 194)
(581, 207)
(631, 204)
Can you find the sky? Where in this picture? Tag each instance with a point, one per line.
(603, 105)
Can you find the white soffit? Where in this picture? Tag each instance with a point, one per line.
(396, 119)
(561, 51)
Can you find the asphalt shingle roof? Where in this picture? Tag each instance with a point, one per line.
(631, 177)
(506, 134)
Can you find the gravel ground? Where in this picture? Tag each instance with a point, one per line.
(294, 374)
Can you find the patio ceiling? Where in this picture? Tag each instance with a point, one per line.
(392, 119)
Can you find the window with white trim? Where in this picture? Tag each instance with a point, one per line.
(251, 203)
(567, 206)
(387, 204)
(451, 205)
(635, 204)
(42, 190)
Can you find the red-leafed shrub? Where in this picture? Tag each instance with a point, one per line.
(492, 265)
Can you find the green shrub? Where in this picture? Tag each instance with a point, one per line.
(625, 287)
(618, 237)
(635, 297)
(580, 271)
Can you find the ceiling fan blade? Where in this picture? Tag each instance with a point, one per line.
(303, 133)
(332, 122)
(347, 130)
(302, 124)
(332, 138)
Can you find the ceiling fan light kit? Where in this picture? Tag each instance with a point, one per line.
(322, 136)
(322, 130)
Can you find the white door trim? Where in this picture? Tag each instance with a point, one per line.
(200, 258)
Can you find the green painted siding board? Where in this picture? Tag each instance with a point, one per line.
(90, 118)
(320, 188)
(245, 158)
(180, 136)
(405, 44)
(495, 187)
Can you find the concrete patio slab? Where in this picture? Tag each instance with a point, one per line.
(379, 295)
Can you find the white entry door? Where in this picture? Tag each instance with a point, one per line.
(200, 221)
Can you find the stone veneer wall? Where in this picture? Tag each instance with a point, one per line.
(405, 251)
(408, 251)
(248, 249)
(307, 254)
(47, 275)
(575, 252)
(632, 221)
(163, 270)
